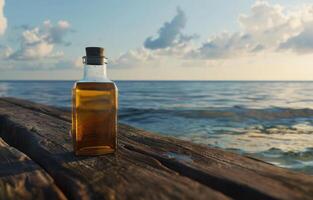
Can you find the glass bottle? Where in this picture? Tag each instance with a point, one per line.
(94, 107)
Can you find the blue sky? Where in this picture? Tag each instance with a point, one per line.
(197, 50)
(120, 25)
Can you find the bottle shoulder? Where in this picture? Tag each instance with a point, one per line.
(96, 80)
(84, 85)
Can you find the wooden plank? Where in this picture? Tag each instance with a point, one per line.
(233, 175)
(21, 178)
(124, 175)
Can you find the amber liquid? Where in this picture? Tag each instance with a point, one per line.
(94, 118)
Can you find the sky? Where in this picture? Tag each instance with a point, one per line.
(158, 40)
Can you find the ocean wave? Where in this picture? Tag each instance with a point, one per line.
(296, 160)
(235, 113)
(305, 155)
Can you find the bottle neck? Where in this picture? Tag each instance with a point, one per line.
(95, 73)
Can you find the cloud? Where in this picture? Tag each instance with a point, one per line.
(56, 34)
(3, 20)
(170, 42)
(68, 64)
(266, 28)
(224, 45)
(133, 58)
(170, 33)
(37, 49)
(39, 42)
(301, 43)
(33, 45)
(47, 64)
(5, 52)
(263, 17)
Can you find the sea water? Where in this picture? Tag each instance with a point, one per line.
(270, 120)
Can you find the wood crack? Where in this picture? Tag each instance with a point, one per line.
(30, 147)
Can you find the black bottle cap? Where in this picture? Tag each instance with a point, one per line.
(94, 56)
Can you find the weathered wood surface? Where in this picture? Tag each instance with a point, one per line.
(22, 179)
(146, 166)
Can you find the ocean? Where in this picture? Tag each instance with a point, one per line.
(270, 120)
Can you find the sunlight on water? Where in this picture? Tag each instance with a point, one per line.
(4, 87)
(280, 145)
(254, 142)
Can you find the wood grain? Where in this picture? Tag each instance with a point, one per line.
(21, 178)
(124, 175)
(146, 166)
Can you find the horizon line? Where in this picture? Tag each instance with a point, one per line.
(225, 80)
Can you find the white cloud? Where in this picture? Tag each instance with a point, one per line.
(41, 49)
(37, 49)
(3, 20)
(267, 28)
(263, 17)
(39, 42)
(33, 45)
(133, 58)
(271, 25)
(31, 36)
